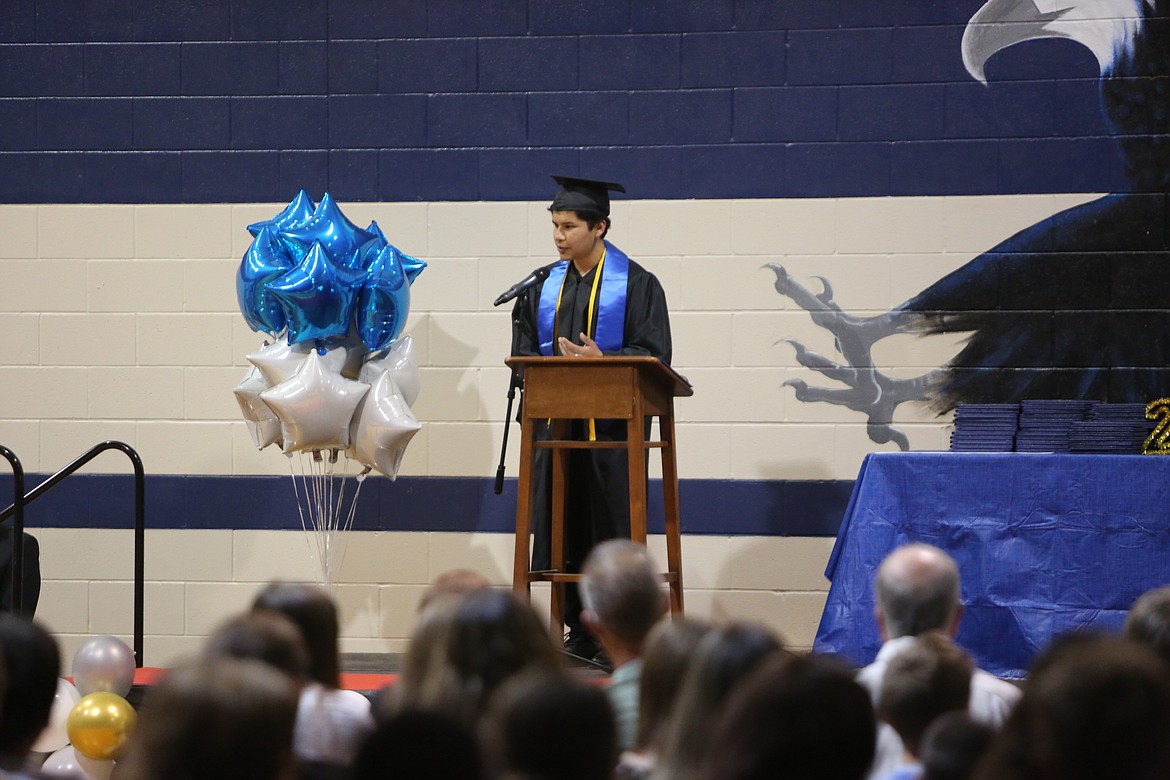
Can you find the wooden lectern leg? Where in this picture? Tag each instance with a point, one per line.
(520, 565)
(670, 510)
(636, 457)
(560, 467)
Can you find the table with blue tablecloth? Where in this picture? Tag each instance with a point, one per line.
(1046, 544)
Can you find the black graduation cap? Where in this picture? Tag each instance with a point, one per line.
(584, 195)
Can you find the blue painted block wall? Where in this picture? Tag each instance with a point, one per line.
(194, 101)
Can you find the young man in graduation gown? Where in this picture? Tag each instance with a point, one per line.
(596, 301)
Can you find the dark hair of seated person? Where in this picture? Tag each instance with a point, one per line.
(225, 719)
(268, 637)
(419, 745)
(31, 663)
(669, 648)
(927, 678)
(952, 746)
(464, 649)
(314, 612)
(1094, 706)
(550, 726)
(1148, 621)
(722, 659)
(793, 719)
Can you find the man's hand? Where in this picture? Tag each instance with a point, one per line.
(587, 348)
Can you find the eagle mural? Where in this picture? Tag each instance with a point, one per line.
(1076, 306)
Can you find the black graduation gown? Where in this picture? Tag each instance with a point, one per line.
(597, 494)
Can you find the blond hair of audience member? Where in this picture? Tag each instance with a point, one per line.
(794, 719)
(465, 648)
(669, 648)
(724, 657)
(454, 583)
(425, 680)
(546, 725)
(1094, 707)
(268, 637)
(928, 678)
(225, 719)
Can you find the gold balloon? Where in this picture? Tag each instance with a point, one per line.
(100, 725)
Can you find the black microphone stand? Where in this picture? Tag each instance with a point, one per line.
(515, 383)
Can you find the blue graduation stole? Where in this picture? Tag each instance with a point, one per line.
(613, 273)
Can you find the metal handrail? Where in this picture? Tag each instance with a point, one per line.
(16, 511)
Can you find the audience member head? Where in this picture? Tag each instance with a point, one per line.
(453, 583)
(464, 649)
(669, 648)
(31, 663)
(927, 678)
(268, 637)
(419, 745)
(1148, 621)
(1093, 707)
(794, 718)
(623, 598)
(917, 590)
(953, 745)
(549, 726)
(724, 657)
(313, 612)
(225, 719)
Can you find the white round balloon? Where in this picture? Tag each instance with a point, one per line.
(54, 737)
(67, 762)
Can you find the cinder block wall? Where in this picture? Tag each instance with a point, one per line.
(844, 140)
(128, 329)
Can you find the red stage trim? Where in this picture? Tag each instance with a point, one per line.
(351, 681)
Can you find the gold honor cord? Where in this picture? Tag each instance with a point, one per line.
(590, 329)
(1158, 442)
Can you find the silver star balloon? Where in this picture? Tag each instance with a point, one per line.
(384, 425)
(315, 406)
(280, 361)
(400, 362)
(262, 422)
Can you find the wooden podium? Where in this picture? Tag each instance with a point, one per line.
(561, 389)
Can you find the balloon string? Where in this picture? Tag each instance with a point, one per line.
(359, 480)
(322, 496)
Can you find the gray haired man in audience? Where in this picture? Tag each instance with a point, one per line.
(623, 598)
(917, 590)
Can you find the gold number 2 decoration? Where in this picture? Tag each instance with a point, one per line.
(1158, 442)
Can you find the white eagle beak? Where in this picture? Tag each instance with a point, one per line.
(1106, 27)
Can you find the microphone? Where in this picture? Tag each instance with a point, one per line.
(528, 282)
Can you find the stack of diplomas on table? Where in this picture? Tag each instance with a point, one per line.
(985, 428)
(1051, 426)
(1045, 425)
(1117, 429)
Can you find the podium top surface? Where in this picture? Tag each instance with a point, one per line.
(679, 385)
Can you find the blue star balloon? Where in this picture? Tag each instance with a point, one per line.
(317, 296)
(371, 248)
(339, 237)
(264, 261)
(412, 265)
(384, 301)
(297, 211)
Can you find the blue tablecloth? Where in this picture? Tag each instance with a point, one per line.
(1046, 544)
